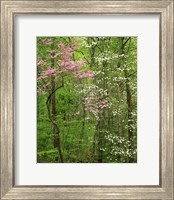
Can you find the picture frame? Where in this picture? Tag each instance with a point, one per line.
(9, 9)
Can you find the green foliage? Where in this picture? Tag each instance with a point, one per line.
(96, 117)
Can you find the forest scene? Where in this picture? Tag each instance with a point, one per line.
(86, 99)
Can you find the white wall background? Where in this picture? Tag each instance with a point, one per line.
(146, 171)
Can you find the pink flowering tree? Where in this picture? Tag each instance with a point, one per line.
(52, 71)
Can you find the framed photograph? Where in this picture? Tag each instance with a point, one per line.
(87, 99)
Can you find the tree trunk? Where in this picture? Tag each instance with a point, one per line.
(52, 112)
(128, 99)
(56, 131)
(119, 116)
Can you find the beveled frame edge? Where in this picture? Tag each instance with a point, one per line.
(8, 10)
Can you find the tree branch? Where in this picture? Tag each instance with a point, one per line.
(49, 97)
(126, 42)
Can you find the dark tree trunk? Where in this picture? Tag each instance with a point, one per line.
(56, 130)
(55, 125)
(119, 116)
(52, 112)
(100, 143)
(130, 117)
(128, 97)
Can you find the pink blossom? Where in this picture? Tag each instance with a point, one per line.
(66, 52)
(88, 74)
(69, 49)
(61, 63)
(41, 62)
(95, 104)
(54, 56)
(52, 51)
(70, 65)
(46, 85)
(50, 72)
(95, 110)
(103, 104)
(66, 56)
(66, 63)
(61, 46)
(79, 64)
(41, 77)
(92, 98)
(47, 41)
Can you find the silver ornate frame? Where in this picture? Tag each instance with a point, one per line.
(164, 8)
